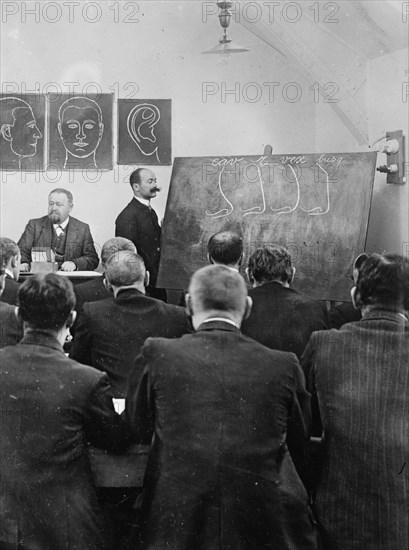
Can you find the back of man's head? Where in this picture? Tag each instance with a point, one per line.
(216, 288)
(8, 250)
(125, 268)
(46, 301)
(383, 280)
(225, 248)
(271, 263)
(114, 245)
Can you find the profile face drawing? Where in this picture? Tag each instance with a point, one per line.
(80, 128)
(141, 123)
(19, 127)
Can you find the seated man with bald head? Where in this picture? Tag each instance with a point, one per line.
(95, 289)
(224, 412)
(111, 332)
(225, 248)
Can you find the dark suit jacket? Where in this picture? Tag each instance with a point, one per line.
(79, 245)
(282, 318)
(361, 376)
(11, 331)
(343, 313)
(220, 475)
(51, 407)
(10, 291)
(110, 333)
(140, 225)
(91, 291)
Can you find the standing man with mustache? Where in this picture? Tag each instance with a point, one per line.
(68, 237)
(138, 222)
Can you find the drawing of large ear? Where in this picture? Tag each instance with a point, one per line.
(5, 132)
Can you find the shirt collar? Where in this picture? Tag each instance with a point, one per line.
(9, 273)
(146, 202)
(63, 225)
(223, 319)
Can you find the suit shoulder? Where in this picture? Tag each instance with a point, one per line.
(78, 223)
(84, 371)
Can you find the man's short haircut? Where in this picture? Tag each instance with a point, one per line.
(135, 177)
(80, 102)
(384, 279)
(125, 268)
(115, 245)
(216, 287)
(8, 249)
(271, 263)
(225, 247)
(46, 301)
(66, 192)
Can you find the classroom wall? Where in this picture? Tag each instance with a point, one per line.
(156, 53)
(160, 57)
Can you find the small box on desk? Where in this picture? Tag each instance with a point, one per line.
(43, 260)
(44, 267)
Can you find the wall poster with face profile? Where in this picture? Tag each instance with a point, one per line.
(144, 131)
(22, 119)
(80, 132)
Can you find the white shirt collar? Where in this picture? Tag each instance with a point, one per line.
(8, 272)
(146, 202)
(211, 319)
(63, 225)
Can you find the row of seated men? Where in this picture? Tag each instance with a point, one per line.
(223, 409)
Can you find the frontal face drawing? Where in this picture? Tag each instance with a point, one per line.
(80, 130)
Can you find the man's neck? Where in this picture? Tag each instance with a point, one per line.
(136, 286)
(147, 202)
(207, 316)
(265, 282)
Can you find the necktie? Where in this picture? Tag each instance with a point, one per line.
(59, 231)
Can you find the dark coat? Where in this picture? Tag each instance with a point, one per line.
(79, 244)
(361, 376)
(91, 291)
(11, 331)
(282, 318)
(110, 333)
(140, 225)
(220, 476)
(9, 295)
(51, 407)
(343, 313)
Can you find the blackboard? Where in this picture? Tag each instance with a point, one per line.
(144, 131)
(317, 205)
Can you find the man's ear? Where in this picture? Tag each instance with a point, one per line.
(147, 278)
(18, 314)
(250, 276)
(188, 301)
(14, 260)
(5, 132)
(249, 305)
(71, 319)
(292, 276)
(210, 259)
(240, 259)
(355, 297)
(108, 285)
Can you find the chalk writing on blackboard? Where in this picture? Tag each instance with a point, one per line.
(288, 209)
(286, 161)
(141, 123)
